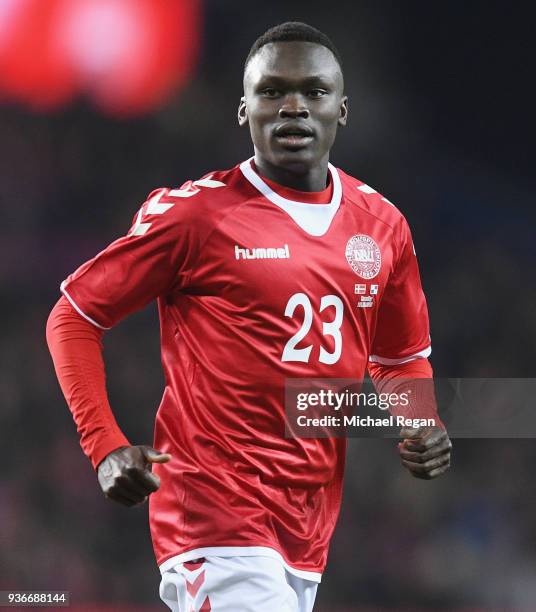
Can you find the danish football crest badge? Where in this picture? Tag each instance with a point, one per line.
(363, 256)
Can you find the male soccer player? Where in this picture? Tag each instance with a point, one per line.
(260, 273)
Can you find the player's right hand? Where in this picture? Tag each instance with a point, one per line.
(125, 474)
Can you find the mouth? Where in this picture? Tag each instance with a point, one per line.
(293, 136)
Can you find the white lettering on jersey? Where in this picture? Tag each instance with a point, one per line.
(263, 253)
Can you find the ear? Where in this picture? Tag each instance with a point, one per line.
(242, 112)
(343, 116)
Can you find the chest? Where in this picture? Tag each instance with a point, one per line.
(261, 257)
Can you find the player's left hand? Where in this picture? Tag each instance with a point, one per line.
(425, 451)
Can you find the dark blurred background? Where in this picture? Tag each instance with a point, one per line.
(440, 107)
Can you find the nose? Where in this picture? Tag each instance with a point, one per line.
(293, 107)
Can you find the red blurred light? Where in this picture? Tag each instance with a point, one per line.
(32, 68)
(128, 56)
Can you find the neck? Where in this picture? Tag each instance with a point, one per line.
(300, 178)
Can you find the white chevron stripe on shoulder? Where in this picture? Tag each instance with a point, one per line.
(140, 229)
(154, 207)
(366, 189)
(208, 182)
(182, 193)
(190, 190)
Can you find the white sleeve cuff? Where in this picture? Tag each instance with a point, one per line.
(389, 361)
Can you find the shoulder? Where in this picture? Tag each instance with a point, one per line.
(210, 190)
(371, 201)
(198, 202)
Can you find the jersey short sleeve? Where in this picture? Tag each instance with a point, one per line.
(153, 259)
(402, 330)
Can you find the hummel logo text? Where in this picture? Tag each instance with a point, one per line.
(262, 253)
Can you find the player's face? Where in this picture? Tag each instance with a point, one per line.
(293, 102)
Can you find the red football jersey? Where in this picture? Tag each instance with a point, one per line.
(253, 288)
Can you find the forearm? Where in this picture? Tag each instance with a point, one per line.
(76, 349)
(414, 378)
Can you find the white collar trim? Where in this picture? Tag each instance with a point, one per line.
(315, 219)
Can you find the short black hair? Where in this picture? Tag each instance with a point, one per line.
(291, 31)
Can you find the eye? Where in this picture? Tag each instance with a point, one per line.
(317, 93)
(270, 92)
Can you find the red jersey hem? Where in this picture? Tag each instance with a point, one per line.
(249, 550)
